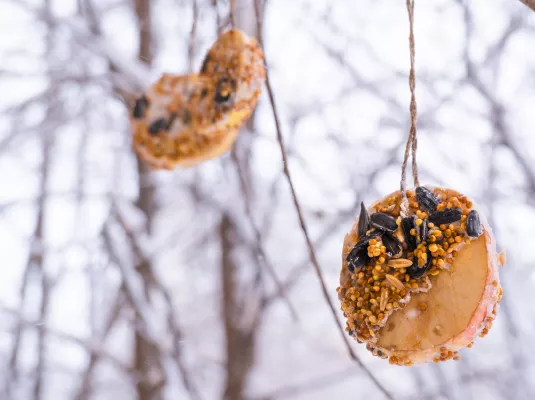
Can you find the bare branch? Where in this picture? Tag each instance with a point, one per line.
(84, 392)
(193, 34)
(302, 222)
(90, 345)
(149, 279)
(309, 386)
(529, 3)
(258, 249)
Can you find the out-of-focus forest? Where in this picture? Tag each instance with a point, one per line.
(119, 282)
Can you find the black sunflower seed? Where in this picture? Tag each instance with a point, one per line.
(140, 107)
(350, 268)
(225, 87)
(157, 126)
(448, 216)
(357, 258)
(473, 225)
(424, 231)
(363, 241)
(364, 221)
(383, 222)
(393, 246)
(351, 332)
(415, 271)
(426, 199)
(407, 224)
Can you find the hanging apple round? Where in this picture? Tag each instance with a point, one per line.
(421, 286)
(183, 120)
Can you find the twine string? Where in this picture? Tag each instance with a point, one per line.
(232, 13)
(412, 141)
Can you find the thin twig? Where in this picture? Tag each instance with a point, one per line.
(485, 377)
(90, 345)
(84, 391)
(258, 249)
(302, 222)
(150, 279)
(496, 109)
(35, 264)
(232, 13)
(310, 386)
(193, 34)
(217, 17)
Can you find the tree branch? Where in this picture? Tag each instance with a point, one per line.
(302, 222)
(529, 3)
(91, 346)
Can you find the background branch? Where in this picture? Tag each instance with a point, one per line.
(529, 3)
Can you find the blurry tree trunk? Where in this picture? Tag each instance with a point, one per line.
(240, 338)
(145, 356)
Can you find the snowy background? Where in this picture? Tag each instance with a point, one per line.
(119, 282)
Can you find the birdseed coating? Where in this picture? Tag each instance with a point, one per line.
(383, 266)
(186, 119)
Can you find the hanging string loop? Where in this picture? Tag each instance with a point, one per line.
(412, 141)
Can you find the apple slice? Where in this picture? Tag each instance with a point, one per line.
(183, 120)
(431, 317)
